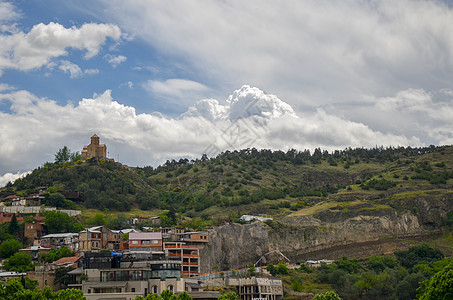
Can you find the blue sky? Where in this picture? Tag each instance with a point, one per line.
(158, 80)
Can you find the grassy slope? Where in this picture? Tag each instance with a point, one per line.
(251, 174)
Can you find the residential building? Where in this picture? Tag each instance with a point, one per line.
(269, 288)
(10, 199)
(196, 237)
(145, 241)
(56, 240)
(43, 277)
(108, 276)
(34, 230)
(5, 276)
(98, 238)
(36, 252)
(71, 261)
(188, 256)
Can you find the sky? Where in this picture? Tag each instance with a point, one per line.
(160, 80)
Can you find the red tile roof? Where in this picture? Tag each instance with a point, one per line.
(67, 260)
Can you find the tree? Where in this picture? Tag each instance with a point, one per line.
(13, 228)
(61, 276)
(9, 247)
(63, 155)
(417, 254)
(120, 221)
(97, 220)
(75, 156)
(282, 268)
(184, 296)
(55, 254)
(272, 269)
(18, 289)
(439, 286)
(252, 270)
(229, 296)
(19, 262)
(327, 296)
(58, 222)
(55, 199)
(167, 295)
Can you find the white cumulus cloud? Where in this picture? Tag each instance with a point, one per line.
(10, 177)
(115, 60)
(74, 70)
(32, 50)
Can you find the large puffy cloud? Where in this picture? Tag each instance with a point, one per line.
(307, 52)
(36, 128)
(27, 51)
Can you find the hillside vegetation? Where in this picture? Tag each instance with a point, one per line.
(276, 183)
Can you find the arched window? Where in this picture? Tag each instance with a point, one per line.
(154, 289)
(170, 288)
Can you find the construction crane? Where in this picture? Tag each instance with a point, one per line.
(278, 251)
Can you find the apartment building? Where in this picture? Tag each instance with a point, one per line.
(145, 242)
(108, 276)
(187, 255)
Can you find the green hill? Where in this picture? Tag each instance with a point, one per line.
(254, 181)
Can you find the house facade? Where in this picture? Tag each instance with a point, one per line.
(34, 230)
(56, 240)
(97, 238)
(145, 241)
(188, 256)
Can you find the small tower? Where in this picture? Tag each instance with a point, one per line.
(95, 140)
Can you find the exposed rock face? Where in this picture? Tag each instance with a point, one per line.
(235, 246)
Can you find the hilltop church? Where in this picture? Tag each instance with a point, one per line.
(94, 149)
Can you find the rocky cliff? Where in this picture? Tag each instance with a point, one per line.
(358, 232)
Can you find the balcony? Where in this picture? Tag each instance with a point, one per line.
(180, 247)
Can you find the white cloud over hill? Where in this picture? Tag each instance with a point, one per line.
(36, 128)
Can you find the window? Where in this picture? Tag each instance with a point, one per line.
(133, 290)
(154, 289)
(146, 242)
(134, 242)
(155, 241)
(170, 288)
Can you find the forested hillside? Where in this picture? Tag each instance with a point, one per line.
(255, 181)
